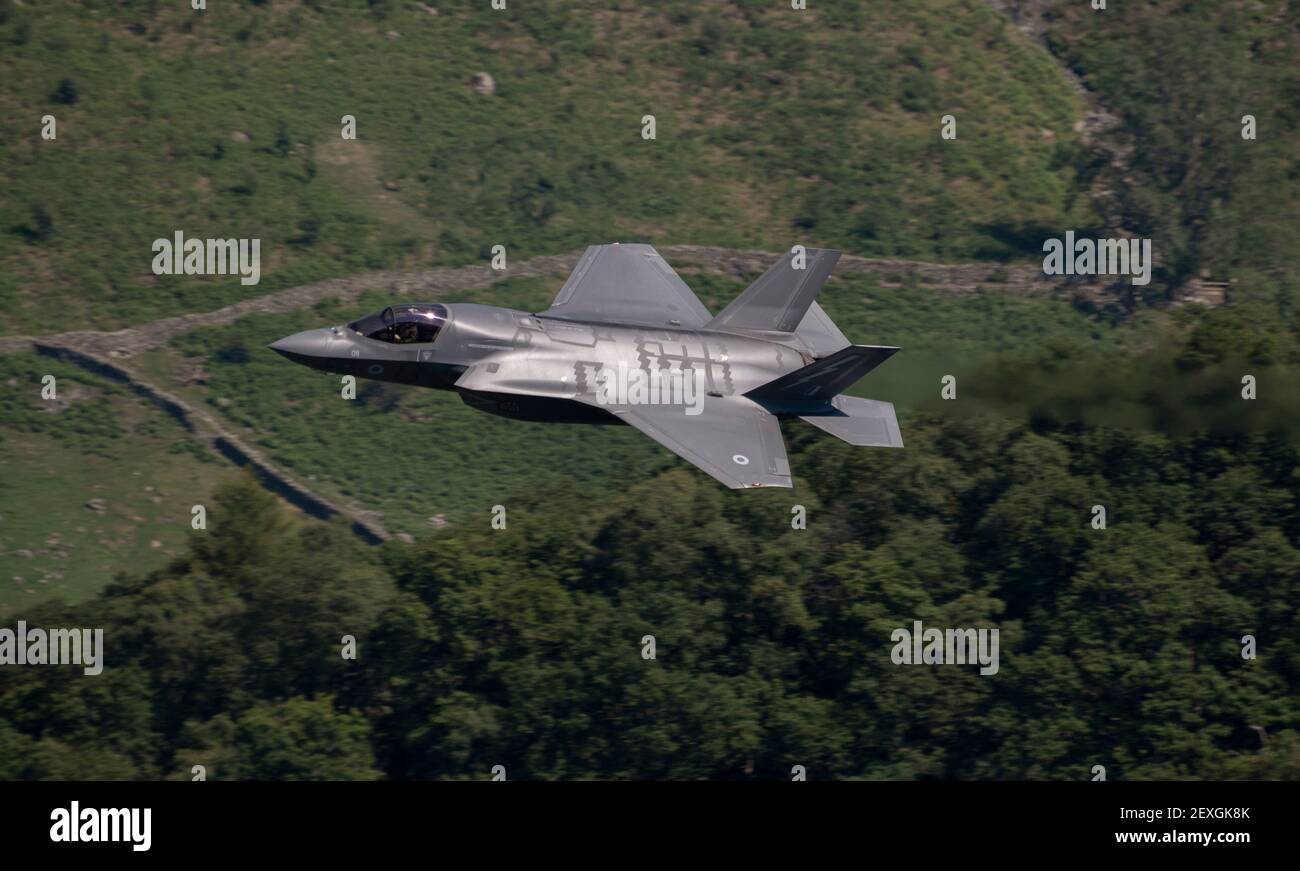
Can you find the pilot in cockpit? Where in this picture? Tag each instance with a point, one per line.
(409, 324)
(406, 333)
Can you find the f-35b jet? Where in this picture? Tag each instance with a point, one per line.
(622, 327)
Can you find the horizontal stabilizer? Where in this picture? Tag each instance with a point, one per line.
(861, 422)
(779, 299)
(822, 379)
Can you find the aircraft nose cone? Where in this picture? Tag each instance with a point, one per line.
(304, 346)
(310, 347)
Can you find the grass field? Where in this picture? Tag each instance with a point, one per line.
(95, 441)
(773, 126)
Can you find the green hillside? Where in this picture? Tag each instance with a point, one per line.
(1180, 78)
(773, 126)
(1121, 646)
(93, 483)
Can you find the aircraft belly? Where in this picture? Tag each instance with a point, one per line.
(536, 408)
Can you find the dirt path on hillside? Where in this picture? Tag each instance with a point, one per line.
(433, 283)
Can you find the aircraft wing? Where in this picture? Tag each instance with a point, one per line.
(627, 284)
(732, 439)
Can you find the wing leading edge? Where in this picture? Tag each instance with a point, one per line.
(627, 284)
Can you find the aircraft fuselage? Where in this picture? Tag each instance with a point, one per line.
(537, 367)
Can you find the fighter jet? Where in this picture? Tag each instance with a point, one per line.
(625, 319)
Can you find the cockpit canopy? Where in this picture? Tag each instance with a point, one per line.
(407, 324)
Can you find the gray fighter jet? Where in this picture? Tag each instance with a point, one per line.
(622, 327)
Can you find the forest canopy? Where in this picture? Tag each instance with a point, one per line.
(523, 646)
